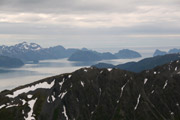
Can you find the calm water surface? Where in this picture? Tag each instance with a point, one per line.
(10, 78)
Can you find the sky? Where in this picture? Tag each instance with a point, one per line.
(91, 23)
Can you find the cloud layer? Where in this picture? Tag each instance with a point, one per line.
(135, 18)
(93, 13)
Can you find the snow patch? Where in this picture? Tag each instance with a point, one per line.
(29, 96)
(122, 88)
(61, 83)
(101, 72)
(48, 101)
(23, 112)
(137, 102)
(82, 83)
(64, 112)
(69, 76)
(12, 106)
(62, 94)
(92, 112)
(172, 113)
(53, 98)
(177, 104)
(85, 70)
(43, 85)
(23, 102)
(155, 73)
(165, 84)
(2, 106)
(30, 114)
(152, 91)
(176, 69)
(109, 69)
(100, 90)
(71, 85)
(145, 80)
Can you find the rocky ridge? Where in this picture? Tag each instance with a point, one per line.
(98, 94)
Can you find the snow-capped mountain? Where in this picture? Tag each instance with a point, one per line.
(33, 52)
(98, 94)
(27, 46)
(21, 47)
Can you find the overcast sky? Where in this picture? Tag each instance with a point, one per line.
(91, 23)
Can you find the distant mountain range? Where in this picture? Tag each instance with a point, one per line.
(88, 55)
(34, 52)
(9, 62)
(145, 64)
(171, 51)
(98, 94)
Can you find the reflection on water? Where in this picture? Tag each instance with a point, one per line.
(10, 78)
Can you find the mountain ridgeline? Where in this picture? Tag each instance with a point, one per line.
(88, 55)
(171, 51)
(98, 94)
(34, 52)
(144, 64)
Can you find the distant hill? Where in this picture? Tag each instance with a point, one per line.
(171, 51)
(145, 64)
(97, 94)
(127, 54)
(85, 56)
(158, 52)
(88, 55)
(174, 50)
(9, 62)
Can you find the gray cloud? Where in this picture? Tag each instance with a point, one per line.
(87, 20)
(79, 6)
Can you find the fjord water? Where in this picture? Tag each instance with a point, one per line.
(13, 77)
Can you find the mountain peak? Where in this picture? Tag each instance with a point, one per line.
(28, 46)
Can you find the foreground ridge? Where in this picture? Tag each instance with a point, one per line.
(98, 94)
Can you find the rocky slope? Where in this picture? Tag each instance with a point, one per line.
(98, 94)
